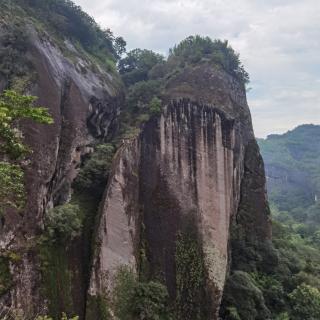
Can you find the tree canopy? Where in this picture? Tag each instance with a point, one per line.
(196, 48)
(68, 19)
(137, 64)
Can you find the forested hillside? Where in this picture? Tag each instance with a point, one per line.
(292, 163)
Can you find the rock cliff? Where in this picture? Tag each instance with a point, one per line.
(193, 165)
(84, 105)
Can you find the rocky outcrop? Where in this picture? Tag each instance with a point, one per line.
(190, 164)
(84, 104)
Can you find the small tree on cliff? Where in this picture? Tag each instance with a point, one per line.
(13, 108)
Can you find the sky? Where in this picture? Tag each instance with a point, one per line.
(278, 42)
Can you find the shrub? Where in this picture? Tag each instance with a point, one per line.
(195, 48)
(155, 106)
(242, 294)
(63, 223)
(305, 301)
(137, 64)
(142, 93)
(63, 317)
(149, 301)
(94, 173)
(125, 282)
(139, 300)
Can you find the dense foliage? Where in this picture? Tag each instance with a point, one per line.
(190, 277)
(136, 65)
(143, 98)
(95, 170)
(15, 67)
(63, 223)
(195, 49)
(289, 287)
(137, 300)
(67, 18)
(146, 74)
(293, 162)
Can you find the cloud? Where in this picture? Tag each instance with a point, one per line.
(278, 41)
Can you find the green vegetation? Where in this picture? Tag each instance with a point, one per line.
(155, 106)
(63, 223)
(11, 186)
(282, 278)
(63, 317)
(69, 29)
(143, 99)
(72, 224)
(56, 277)
(190, 277)
(98, 308)
(95, 170)
(293, 160)
(305, 302)
(195, 49)
(15, 68)
(137, 64)
(146, 74)
(68, 19)
(139, 300)
(244, 298)
(5, 276)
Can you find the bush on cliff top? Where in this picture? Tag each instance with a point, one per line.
(69, 20)
(196, 48)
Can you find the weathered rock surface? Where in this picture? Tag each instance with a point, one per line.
(198, 160)
(84, 106)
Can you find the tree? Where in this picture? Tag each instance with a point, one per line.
(137, 300)
(120, 46)
(195, 48)
(155, 106)
(136, 65)
(13, 108)
(305, 301)
(63, 223)
(141, 94)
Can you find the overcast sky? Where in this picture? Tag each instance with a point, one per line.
(278, 41)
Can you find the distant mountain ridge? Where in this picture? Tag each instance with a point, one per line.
(292, 162)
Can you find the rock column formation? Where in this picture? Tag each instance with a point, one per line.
(187, 165)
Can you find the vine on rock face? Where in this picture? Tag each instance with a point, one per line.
(190, 276)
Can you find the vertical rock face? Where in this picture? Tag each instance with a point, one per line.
(84, 107)
(188, 166)
(118, 228)
(192, 160)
